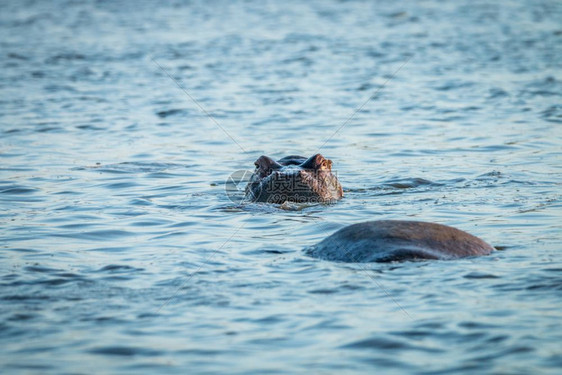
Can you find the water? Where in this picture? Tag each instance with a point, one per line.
(121, 251)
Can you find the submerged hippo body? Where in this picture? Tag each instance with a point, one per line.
(388, 240)
(293, 178)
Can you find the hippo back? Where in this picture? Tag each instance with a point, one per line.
(389, 240)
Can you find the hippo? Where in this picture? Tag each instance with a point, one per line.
(293, 178)
(297, 179)
(396, 240)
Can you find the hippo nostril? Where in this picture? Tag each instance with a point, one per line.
(303, 174)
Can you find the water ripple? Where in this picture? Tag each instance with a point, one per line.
(123, 254)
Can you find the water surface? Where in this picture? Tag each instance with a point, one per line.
(122, 253)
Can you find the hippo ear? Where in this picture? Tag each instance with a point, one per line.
(317, 162)
(265, 165)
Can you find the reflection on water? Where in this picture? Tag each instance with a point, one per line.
(123, 253)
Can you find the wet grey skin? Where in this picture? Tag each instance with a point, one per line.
(389, 241)
(294, 178)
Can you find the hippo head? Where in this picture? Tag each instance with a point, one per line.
(293, 178)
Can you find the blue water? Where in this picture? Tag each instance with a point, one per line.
(121, 252)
